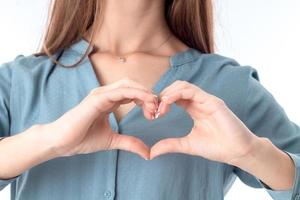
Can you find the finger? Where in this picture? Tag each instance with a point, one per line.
(123, 83)
(130, 143)
(189, 94)
(149, 110)
(107, 100)
(163, 108)
(183, 94)
(178, 84)
(166, 101)
(147, 107)
(170, 145)
(126, 82)
(136, 101)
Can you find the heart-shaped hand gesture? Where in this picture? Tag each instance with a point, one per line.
(86, 128)
(217, 133)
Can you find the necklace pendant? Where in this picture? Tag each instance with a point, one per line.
(121, 59)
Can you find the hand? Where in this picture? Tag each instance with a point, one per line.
(86, 129)
(217, 133)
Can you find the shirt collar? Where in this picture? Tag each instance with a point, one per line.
(81, 46)
(179, 58)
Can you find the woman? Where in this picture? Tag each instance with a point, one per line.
(127, 100)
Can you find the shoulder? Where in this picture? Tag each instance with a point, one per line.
(23, 63)
(217, 71)
(22, 75)
(223, 77)
(26, 71)
(18, 66)
(222, 68)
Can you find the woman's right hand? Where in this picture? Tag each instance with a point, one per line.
(86, 129)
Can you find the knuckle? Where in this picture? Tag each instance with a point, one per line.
(183, 83)
(183, 142)
(132, 141)
(96, 91)
(93, 91)
(94, 100)
(218, 101)
(127, 93)
(148, 97)
(197, 87)
(178, 82)
(112, 141)
(37, 127)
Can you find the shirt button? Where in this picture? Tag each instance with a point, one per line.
(107, 194)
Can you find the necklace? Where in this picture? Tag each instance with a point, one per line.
(123, 58)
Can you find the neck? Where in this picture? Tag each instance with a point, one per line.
(131, 25)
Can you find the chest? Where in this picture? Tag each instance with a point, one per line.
(145, 70)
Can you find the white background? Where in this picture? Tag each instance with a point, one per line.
(262, 34)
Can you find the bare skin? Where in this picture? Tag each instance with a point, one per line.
(143, 27)
(136, 37)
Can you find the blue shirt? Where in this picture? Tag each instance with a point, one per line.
(35, 90)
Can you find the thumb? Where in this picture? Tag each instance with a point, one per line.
(170, 145)
(130, 143)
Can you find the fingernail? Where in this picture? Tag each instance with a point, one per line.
(160, 106)
(152, 116)
(157, 115)
(164, 98)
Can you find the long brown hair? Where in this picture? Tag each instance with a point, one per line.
(69, 20)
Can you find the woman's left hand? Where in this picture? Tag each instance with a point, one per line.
(217, 134)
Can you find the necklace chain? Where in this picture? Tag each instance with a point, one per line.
(122, 58)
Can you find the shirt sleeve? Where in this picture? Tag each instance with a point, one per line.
(5, 85)
(266, 118)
